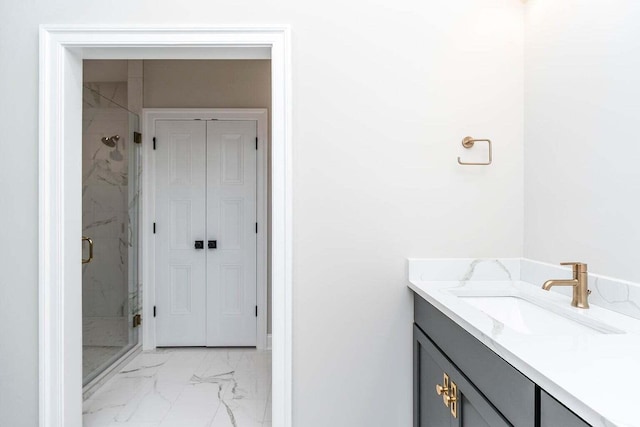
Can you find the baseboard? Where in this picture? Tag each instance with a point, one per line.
(268, 341)
(110, 372)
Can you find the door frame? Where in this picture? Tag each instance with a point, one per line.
(148, 266)
(62, 49)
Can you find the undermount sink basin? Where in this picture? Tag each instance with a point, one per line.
(534, 318)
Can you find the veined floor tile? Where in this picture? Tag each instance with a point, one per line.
(189, 387)
(240, 413)
(132, 424)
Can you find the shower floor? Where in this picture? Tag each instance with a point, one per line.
(94, 356)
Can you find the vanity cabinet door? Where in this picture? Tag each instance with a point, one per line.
(428, 408)
(470, 409)
(554, 414)
(475, 411)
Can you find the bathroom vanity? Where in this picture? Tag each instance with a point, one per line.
(487, 390)
(491, 349)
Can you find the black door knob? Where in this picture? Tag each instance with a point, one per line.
(199, 244)
(212, 244)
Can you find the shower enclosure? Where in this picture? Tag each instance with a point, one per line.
(110, 203)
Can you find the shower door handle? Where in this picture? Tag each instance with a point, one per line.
(88, 260)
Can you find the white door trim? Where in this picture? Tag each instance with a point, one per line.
(148, 267)
(62, 49)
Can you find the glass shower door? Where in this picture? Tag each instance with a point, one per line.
(110, 195)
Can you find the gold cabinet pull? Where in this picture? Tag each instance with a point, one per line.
(448, 399)
(88, 260)
(449, 392)
(452, 400)
(440, 389)
(443, 390)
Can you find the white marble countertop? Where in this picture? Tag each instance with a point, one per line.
(595, 375)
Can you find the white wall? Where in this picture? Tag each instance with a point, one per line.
(383, 93)
(207, 84)
(582, 92)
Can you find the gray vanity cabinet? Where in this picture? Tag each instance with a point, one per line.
(555, 414)
(489, 392)
(457, 403)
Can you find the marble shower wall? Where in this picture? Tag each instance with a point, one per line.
(106, 216)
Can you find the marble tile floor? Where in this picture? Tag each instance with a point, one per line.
(186, 387)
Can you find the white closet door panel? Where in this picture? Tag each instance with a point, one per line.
(231, 220)
(180, 218)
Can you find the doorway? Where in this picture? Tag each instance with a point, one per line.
(62, 52)
(205, 178)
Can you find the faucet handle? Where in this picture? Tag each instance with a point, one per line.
(578, 267)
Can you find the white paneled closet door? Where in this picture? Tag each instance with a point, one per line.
(206, 188)
(180, 221)
(231, 222)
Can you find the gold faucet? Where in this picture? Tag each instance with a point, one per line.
(579, 282)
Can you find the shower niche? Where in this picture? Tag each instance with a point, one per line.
(111, 300)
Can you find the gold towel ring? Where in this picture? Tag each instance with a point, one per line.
(468, 143)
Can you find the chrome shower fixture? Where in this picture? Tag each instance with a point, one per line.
(110, 141)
